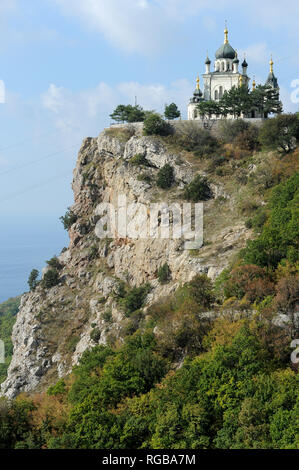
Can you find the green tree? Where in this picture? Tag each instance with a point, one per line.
(128, 114)
(164, 274)
(165, 178)
(280, 133)
(69, 219)
(155, 125)
(51, 279)
(198, 190)
(207, 109)
(172, 111)
(266, 100)
(279, 236)
(33, 279)
(236, 101)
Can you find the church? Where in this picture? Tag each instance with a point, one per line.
(225, 76)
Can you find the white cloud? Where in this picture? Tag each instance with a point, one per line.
(141, 26)
(147, 26)
(87, 112)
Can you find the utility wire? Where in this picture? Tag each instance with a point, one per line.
(36, 186)
(33, 162)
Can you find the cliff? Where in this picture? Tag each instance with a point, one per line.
(54, 326)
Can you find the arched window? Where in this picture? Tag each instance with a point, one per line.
(223, 66)
(195, 114)
(228, 67)
(220, 92)
(216, 95)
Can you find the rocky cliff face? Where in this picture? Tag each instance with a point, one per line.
(54, 326)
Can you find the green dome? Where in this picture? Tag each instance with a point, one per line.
(225, 52)
(197, 92)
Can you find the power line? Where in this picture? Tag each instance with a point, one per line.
(33, 187)
(33, 162)
(28, 140)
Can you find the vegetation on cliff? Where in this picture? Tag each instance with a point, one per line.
(8, 311)
(208, 366)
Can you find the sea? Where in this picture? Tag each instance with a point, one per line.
(23, 249)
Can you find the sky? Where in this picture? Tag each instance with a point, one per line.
(66, 64)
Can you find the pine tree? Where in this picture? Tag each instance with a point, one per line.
(172, 112)
(32, 281)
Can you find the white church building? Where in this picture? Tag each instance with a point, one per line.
(226, 75)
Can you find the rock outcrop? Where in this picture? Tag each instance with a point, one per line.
(54, 326)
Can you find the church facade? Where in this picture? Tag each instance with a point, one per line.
(227, 74)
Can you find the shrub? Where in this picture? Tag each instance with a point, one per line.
(144, 177)
(248, 139)
(199, 290)
(164, 274)
(93, 252)
(55, 263)
(193, 139)
(68, 219)
(139, 160)
(134, 299)
(72, 342)
(230, 129)
(95, 335)
(165, 178)
(50, 279)
(154, 125)
(32, 281)
(107, 316)
(198, 190)
(250, 281)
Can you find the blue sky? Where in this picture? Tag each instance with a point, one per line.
(66, 64)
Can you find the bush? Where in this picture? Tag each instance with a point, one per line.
(134, 299)
(139, 160)
(199, 290)
(154, 125)
(190, 137)
(198, 190)
(55, 263)
(95, 335)
(230, 129)
(50, 279)
(250, 281)
(107, 316)
(165, 178)
(144, 177)
(68, 219)
(164, 274)
(248, 139)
